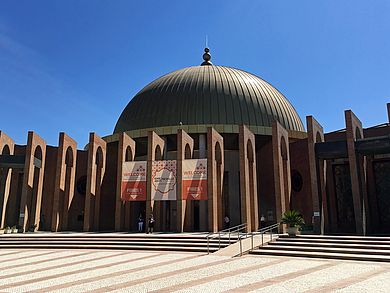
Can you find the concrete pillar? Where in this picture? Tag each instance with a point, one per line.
(154, 142)
(30, 203)
(315, 134)
(388, 112)
(203, 218)
(183, 141)
(122, 215)
(215, 170)
(64, 183)
(5, 177)
(95, 173)
(248, 179)
(357, 167)
(281, 163)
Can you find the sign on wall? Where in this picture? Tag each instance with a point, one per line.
(195, 179)
(163, 180)
(133, 181)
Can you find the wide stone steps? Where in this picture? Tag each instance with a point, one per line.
(172, 242)
(330, 247)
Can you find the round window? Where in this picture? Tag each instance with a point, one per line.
(296, 181)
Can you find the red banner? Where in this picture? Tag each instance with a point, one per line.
(133, 187)
(195, 179)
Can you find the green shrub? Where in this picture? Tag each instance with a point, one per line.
(293, 219)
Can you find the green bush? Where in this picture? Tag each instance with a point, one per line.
(293, 219)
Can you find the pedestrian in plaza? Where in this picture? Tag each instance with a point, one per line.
(227, 222)
(140, 223)
(150, 224)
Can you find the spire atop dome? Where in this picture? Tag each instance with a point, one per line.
(206, 57)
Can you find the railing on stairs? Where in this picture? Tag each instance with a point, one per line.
(229, 231)
(262, 231)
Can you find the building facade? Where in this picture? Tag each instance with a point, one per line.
(236, 132)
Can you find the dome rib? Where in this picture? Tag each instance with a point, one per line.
(208, 95)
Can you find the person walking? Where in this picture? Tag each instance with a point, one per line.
(140, 223)
(227, 222)
(150, 224)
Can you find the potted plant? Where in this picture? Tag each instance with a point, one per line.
(294, 221)
(7, 230)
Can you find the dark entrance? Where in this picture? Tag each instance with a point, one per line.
(382, 190)
(344, 200)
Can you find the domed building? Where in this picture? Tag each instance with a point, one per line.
(202, 148)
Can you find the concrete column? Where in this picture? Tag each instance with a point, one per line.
(5, 177)
(281, 163)
(215, 169)
(32, 183)
(388, 112)
(203, 224)
(248, 179)
(64, 182)
(154, 141)
(315, 134)
(354, 130)
(183, 141)
(95, 173)
(122, 215)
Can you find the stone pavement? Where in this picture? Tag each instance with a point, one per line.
(144, 271)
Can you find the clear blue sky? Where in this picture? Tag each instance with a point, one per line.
(74, 65)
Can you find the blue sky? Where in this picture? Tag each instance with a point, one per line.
(74, 65)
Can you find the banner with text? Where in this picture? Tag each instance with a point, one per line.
(195, 179)
(133, 181)
(163, 180)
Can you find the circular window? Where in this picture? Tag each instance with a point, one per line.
(296, 181)
(81, 185)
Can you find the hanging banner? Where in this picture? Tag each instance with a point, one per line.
(195, 179)
(163, 180)
(133, 181)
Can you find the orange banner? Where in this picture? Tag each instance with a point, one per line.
(195, 179)
(133, 187)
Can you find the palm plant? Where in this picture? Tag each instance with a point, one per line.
(293, 219)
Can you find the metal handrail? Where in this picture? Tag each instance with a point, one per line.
(261, 232)
(212, 235)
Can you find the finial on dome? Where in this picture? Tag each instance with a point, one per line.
(206, 57)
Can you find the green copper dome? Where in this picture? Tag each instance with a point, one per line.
(208, 95)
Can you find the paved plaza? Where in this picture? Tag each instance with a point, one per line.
(143, 271)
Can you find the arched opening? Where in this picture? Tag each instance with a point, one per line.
(318, 137)
(187, 152)
(158, 155)
(251, 159)
(128, 154)
(358, 134)
(284, 155)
